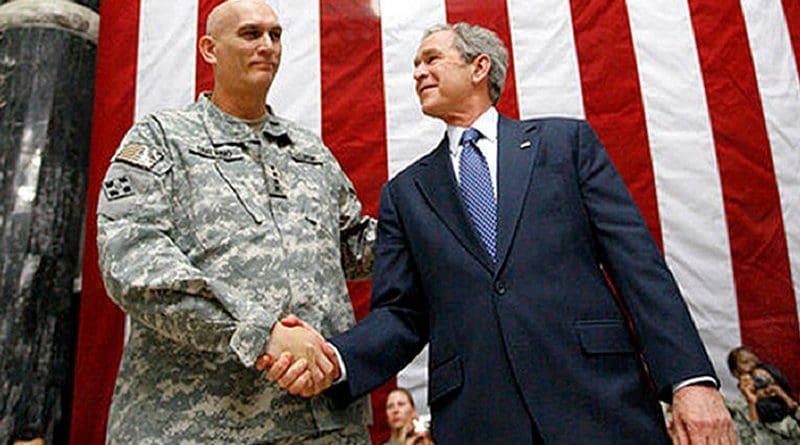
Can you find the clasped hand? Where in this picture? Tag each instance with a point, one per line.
(299, 359)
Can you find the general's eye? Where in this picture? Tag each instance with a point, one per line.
(275, 34)
(252, 34)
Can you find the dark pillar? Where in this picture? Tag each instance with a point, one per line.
(47, 65)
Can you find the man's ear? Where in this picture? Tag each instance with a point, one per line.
(480, 68)
(207, 47)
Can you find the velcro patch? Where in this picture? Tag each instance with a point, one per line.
(306, 158)
(139, 155)
(226, 153)
(117, 188)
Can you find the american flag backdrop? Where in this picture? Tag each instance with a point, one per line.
(697, 102)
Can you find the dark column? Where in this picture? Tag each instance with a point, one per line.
(94, 4)
(47, 65)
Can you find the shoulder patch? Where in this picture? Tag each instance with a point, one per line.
(117, 188)
(140, 156)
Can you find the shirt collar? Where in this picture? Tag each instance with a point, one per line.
(226, 129)
(486, 124)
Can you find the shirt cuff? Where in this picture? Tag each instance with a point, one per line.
(342, 368)
(693, 381)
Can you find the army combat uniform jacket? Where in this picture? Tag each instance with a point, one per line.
(209, 232)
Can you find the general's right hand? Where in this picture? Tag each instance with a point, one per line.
(306, 374)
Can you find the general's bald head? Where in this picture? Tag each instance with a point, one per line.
(224, 16)
(243, 45)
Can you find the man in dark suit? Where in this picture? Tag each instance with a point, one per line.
(495, 248)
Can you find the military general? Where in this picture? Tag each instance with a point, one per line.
(214, 221)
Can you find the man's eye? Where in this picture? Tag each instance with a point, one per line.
(275, 35)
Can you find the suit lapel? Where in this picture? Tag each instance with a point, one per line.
(517, 145)
(437, 183)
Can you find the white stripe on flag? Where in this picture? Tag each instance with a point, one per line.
(777, 77)
(409, 133)
(296, 92)
(545, 60)
(165, 67)
(688, 184)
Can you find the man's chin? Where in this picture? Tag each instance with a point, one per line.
(262, 80)
(430, 110)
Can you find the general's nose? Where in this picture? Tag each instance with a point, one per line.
(265, 43)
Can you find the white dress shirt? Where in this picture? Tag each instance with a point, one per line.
(486, 124)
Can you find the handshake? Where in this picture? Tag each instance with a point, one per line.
(299, 359)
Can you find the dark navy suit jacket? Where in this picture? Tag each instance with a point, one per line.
(534, 343)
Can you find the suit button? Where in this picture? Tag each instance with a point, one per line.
(500, 287)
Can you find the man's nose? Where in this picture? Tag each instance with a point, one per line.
(420, 71)
(265, 43)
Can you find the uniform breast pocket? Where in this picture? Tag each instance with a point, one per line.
(224, 200)
(322, 221)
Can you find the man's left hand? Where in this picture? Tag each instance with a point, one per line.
(699, 416)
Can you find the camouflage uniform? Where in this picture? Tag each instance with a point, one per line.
(753, 432)
(209, 232)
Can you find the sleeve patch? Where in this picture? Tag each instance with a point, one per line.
(139, 156)
(117, 188)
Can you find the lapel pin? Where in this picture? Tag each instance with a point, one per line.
(524, 145)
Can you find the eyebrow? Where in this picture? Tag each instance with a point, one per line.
(426, 52)
(249, 26)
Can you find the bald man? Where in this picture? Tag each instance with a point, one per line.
(215, 221)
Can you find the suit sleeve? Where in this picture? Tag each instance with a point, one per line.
(396, 328)
(670, 344)
(150, 278)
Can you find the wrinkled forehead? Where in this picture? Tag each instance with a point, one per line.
(231, 14)
(437, 42)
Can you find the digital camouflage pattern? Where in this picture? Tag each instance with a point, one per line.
(753, 432)
(209, 232)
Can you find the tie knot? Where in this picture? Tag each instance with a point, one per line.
(470, 135)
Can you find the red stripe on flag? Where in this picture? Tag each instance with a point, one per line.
(204, 77)
(766, 300)
(791, 10)
(354, 123)
(101, 323)
(492, 14)
(604, 44)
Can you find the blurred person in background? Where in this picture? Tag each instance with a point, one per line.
(769, 415)
(741, 360)
(400, 410)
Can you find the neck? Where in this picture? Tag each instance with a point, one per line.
(248, 103)
(397, 435)
(466, 117)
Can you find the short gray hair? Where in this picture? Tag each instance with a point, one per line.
(472, 41)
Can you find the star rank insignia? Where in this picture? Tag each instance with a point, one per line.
(118, 188)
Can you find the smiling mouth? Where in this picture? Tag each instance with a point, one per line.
(424, 88)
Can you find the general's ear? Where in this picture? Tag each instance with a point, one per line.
(480, 68)
(207, 47)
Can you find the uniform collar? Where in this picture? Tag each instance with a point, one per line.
(224, 129)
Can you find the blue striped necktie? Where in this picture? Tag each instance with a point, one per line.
(475, 184)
